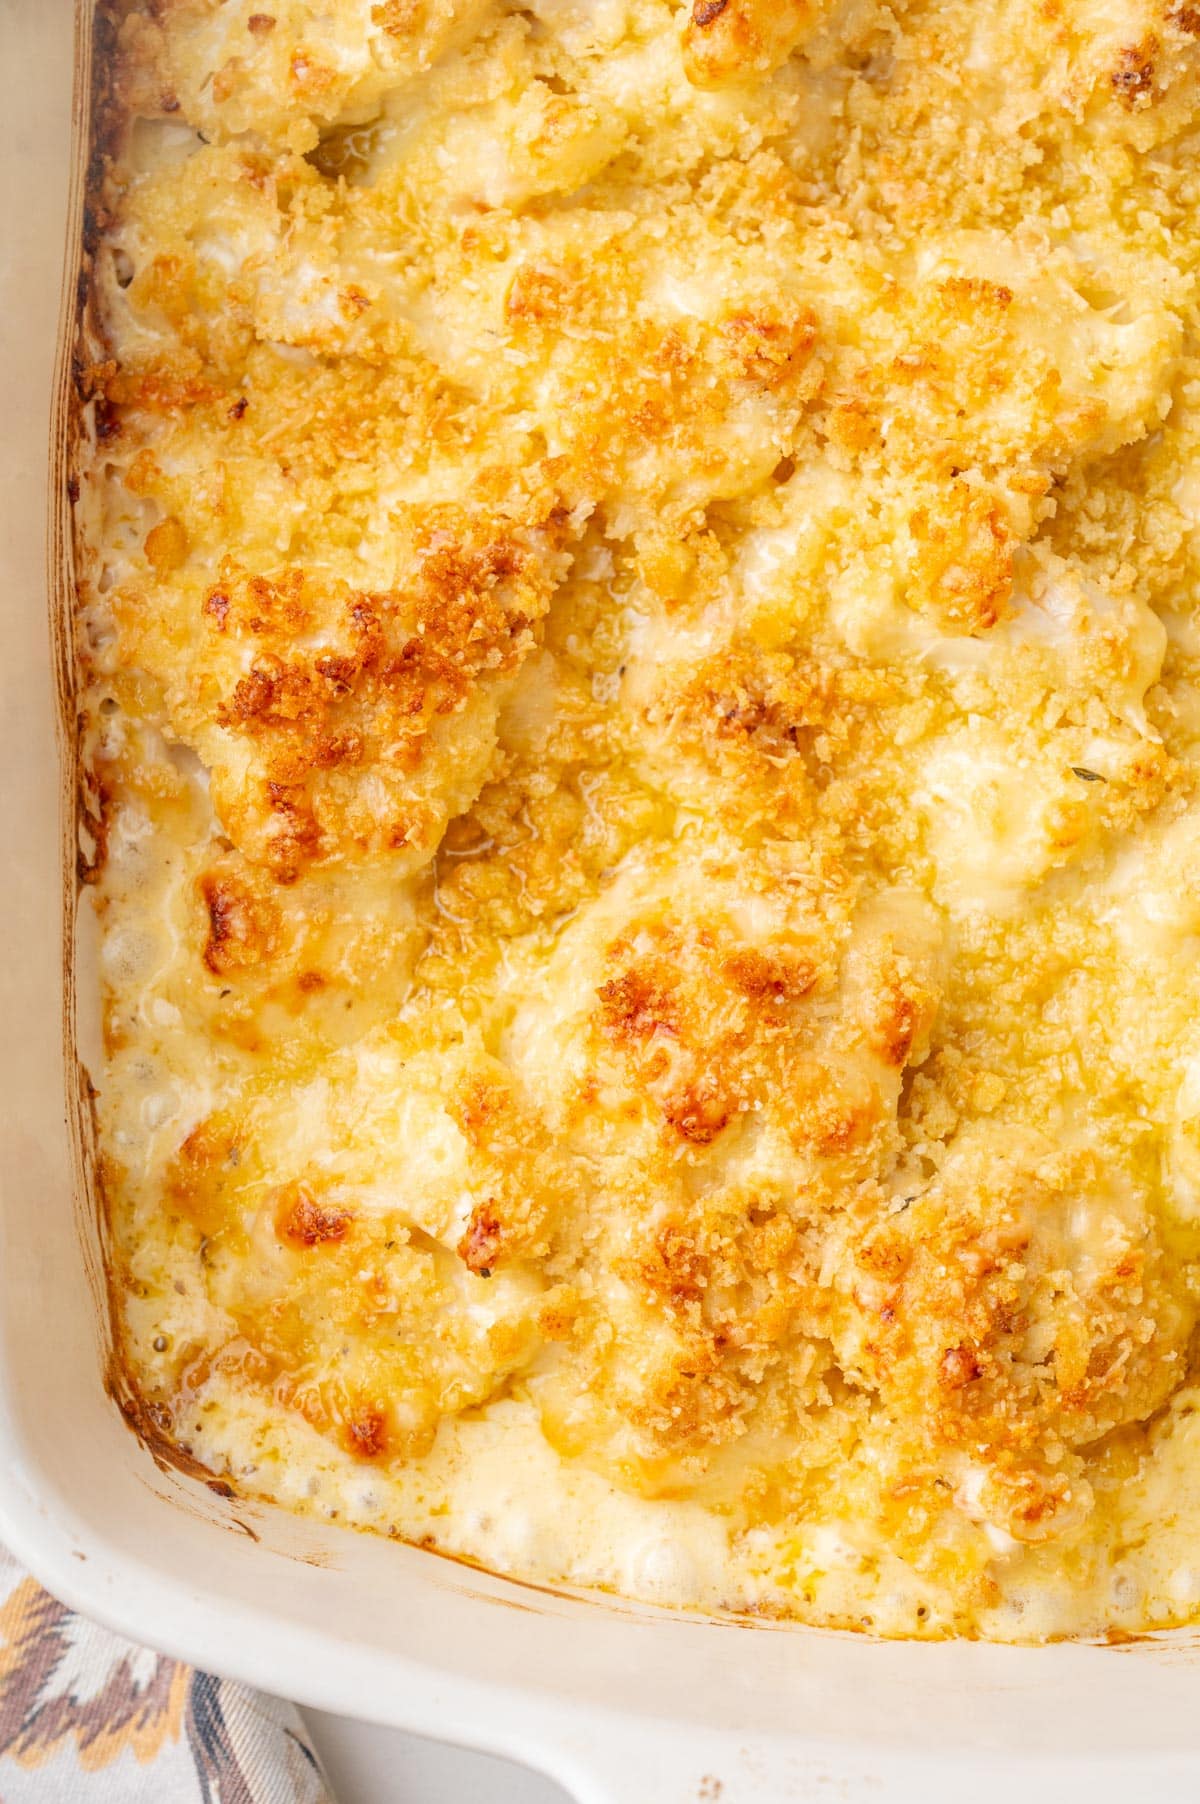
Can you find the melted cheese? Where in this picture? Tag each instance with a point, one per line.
(638, 572)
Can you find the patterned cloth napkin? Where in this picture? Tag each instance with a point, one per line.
(86, 1718)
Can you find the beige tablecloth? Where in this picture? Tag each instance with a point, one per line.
(86, 1718)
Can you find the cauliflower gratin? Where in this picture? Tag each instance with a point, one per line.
(639, 624)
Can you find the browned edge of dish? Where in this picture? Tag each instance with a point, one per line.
(82, 804)
(75, 807)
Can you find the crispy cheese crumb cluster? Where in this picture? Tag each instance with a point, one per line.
(640, 614)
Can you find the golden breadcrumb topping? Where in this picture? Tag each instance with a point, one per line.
(639, 597)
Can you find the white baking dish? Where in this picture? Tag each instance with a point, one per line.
(620, 1704)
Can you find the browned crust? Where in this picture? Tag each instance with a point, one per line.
(97, 124)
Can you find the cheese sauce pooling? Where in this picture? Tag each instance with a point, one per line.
(638, 610)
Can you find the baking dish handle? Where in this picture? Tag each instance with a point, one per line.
(637, 1766)
(671, 1764)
